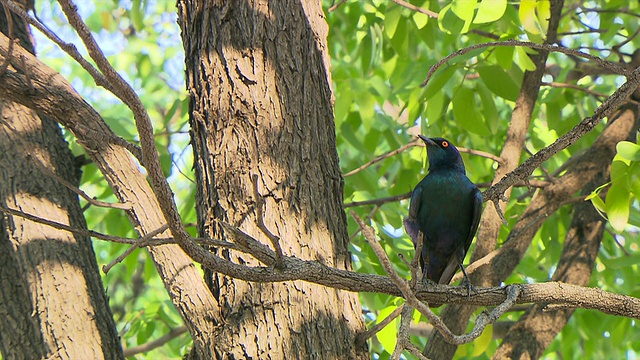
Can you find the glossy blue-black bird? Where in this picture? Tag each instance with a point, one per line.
(446, 207)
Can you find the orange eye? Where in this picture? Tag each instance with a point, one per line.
(445, 144)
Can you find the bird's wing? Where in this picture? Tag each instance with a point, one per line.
(457, 258)
(475, 219)
(453, 264)
(411, 225)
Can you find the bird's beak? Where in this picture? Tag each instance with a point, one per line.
(427, 141)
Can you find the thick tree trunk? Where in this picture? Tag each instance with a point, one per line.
(52, 303)
(264, 142)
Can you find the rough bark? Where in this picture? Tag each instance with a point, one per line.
(457, 316)
(537, 328)
(52, 303)
(47, 92)
(264, 139)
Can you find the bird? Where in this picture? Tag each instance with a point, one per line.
(446, 208)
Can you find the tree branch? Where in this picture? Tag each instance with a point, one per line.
(313, 271)
(172, 334)
(613, 67)
(410, 6)
(525, 169)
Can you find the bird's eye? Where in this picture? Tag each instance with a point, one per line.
(445, 144)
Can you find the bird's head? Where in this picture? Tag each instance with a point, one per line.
(442, 154)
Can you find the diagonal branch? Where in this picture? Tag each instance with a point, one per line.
(611, 104)
(410, 296)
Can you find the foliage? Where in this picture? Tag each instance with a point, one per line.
(380, 54)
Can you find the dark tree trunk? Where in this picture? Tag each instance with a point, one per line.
(264, 143)
(52, 303)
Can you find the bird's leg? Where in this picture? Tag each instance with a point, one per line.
(426, 281)
(466, 282)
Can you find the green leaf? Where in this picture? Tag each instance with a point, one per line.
(464, 9)
(612, 29)
(489, 110)
(544, 14)
(523, 60)
(388, 335)
(621, 262)
(448, 22)
(400, 40)
(490, 10)
(619, 172)
(434, 107)
(527, 15)
(618, 202)
(628, 150)
(499, 82)
(342, 105)
(137, 14)
(634, 179)
(366, 48)
(420, 19)
(504, 56)
(437, 81)
(466, 113)
(596, 200)
(391, 19)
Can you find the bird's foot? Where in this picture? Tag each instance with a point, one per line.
(467, 284)
(428, 282)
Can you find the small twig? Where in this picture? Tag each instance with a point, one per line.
(614, 67)
(483, 319)
(369, 217)
(412, 143)
(77, 190)
(525, 169)
(612, 10)
(403, 339)
(385, 200)
(482, 154)
(141, 242)
(172, 334)
(615, 239)
(260, 204)
(70, 49)
(418, 142)
(60, 226)
(428, 12)
(499, 211)
(261, 254)
(617, 47)
(362, 337)
(250, 245)
(336, 6)
(416, 352)
(575, 87)
(379, 201)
